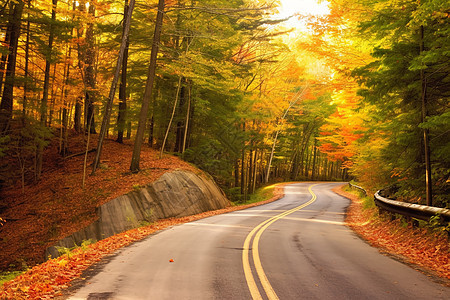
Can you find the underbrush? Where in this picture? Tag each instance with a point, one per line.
(7, 276)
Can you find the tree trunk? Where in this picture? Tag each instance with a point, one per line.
(128, 130)
(180, 124)
(122, 115)
(426, 142)
(250, 170)
(151, 129)
(313, 170)
(89, 75)
(6, 105)
(186, 126)
(25, 85)
(40, 146)
(171, 118)
(6, 42)
(236, 173)
(135, 159)
(77, 116)
(47, 66)
(112, 91)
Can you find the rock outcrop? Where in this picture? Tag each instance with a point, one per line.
(175, 194)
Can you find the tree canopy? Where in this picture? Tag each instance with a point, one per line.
(360, 93)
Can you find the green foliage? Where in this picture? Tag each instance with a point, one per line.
(9, 275)
(392, 90)
(261, 194)
(67, 251)
(19, 148)
(435, 223)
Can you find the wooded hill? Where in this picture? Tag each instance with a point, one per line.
(363, 93)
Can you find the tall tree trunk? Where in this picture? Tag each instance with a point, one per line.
(25, 85)
(6, 105)
(180, 124)
(236, 173)
(250, 169)
(151, 131)
(77, 115)
(4, 56)
(186, 126)
(43, 109)
(426, 142)
(297, 97)
(53, 97)
(48, 60)
(128, 129)
(171, 118)
(243, 170)
(89, 75)
(313, 170)
(135, 159)
(112, 91)
(65, 115)
(122, 115)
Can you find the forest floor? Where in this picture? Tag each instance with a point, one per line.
(59, 206)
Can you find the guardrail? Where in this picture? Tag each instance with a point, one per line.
(357, 187)
(409, 210)
(421, 212)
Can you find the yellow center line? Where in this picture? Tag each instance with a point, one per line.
(254, 291)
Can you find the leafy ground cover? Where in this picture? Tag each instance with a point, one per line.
(425, 248)
(49, 279)
(58, 205)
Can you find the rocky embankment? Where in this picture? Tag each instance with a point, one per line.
(174, 194)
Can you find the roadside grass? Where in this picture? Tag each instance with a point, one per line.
(366, 200)
(261, 194)
(9, 275)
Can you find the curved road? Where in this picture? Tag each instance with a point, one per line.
(295, 248)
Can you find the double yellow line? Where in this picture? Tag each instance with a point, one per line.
(256, 233)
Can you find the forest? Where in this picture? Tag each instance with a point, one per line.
(360, 93)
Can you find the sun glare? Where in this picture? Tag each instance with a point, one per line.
(289, 8)
(305, 7)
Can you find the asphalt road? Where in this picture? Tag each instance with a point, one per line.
(295, 248)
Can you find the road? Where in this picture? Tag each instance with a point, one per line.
(295, 248)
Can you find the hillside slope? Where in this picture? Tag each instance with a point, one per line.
(58, 205)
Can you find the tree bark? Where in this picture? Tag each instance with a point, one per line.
(122, 115)
(6, 105)
(297, 97)
(426, 142)
(47, 66)
(89, 76)
(112, 91)
(6, 41)
(313, 170)
(171, 118)
(25, 85)
(186, 126)
(135, 159)
(77, 116)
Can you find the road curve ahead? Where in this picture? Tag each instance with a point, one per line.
(295, 248)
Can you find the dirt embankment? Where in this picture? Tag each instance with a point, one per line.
(59, 205)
